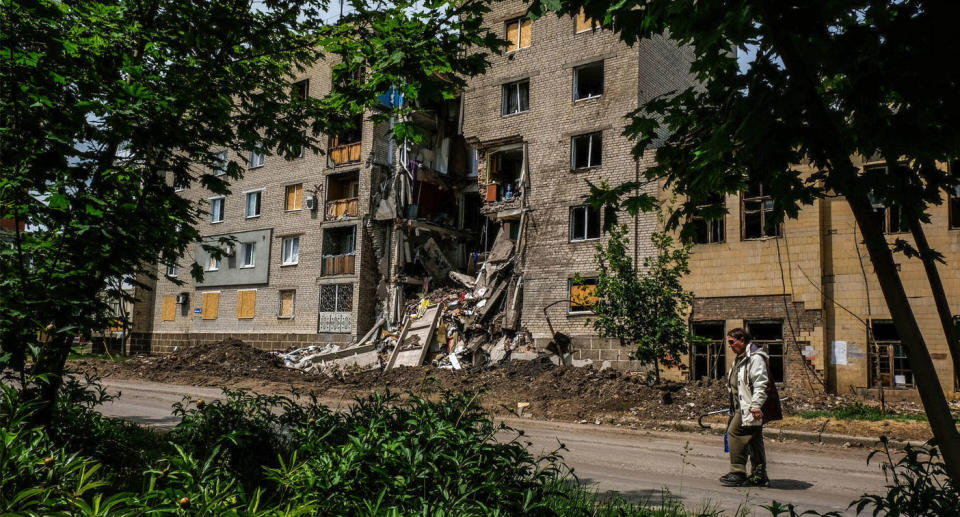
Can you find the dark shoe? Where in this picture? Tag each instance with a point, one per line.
(758, 480)
(733, 479)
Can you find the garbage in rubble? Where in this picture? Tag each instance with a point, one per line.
(303, 358)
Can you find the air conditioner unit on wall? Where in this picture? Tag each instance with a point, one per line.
(182, 298)
(310, 202)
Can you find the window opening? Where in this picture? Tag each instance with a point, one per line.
(256, 159)
(708, 230)
(285, 310)
(291, 251)
(583, 295)
(216, 209)
(249, 254)
(757, 214)
(584, 223)
(339, 250)
(293, 197)
(345, 147)
(220, 167)
(343, 191)
(213, 263)
(586, 150)
(588, 81)
(709, 354)
(889, 364)
(768, 335)
(253, 204)
(515, 98)
(172, 270)
(518, 33)
(504, 174)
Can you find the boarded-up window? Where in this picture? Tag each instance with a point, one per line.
(294, 197)
(518, 33)
(286, 304)
(209, 306)
(584, 22)
(169, 308)
(246, 304)
(583, 294)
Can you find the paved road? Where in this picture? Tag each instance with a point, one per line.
(637, 464)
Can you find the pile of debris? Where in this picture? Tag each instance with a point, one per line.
(475, 323)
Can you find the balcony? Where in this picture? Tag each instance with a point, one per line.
(343, 154)
(338, 264)
(341, 209)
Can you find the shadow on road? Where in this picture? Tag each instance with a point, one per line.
(789, 484)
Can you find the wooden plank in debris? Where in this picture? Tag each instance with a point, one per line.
(417, 334)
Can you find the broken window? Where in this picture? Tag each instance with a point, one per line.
(343, 192)
(505, 170)
(286, 297)
(290, 253)
(252, 208)
(216, 209)
(516, 97)
(339, 250)
(706, 229)
(889, 364)
(293, 197)
(301, 90)
(248, 256)
(588, 81)
(586, 150)
(709, 353)
(584, 223)
(756, 207)
(584, 22)
(518, 33)
(345, 147)
(768, 335)
(583, 295)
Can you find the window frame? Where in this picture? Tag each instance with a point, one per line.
(587, 210)
(515, 85)
(243, 255)
(215, 262)
(283, 250)
(172, 267)
(293, 303)
(246, 203)
(874, 356)
(506, 32)
(765, 346)
(286, 197)
(221, 168)
(715, 355)
(590, 151)
(576, 80)
(713, 225)
(257, 160)
(570, 303)
(762, 198)
(953, 198)
(223, 208)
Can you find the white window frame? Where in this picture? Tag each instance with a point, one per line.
(246, 203)
(221, 168)
(294, 247)
(213, 211)
(586, 224)
(172, 270)
(213, 263)
(510, 89)
(243, 255)
(590, 150)
(256, 160)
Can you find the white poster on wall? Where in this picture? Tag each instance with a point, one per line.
(840, 353)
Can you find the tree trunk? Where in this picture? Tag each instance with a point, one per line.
(939, 295)
(925, 376)
(47, 377)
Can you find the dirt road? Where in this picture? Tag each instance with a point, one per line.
(637, 464)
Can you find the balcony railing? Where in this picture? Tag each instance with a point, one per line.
(338, 265)
(340, 208)
(344, 154)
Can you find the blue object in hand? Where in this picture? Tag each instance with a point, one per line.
(726, 444)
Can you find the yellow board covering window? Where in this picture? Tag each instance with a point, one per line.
(169, 308)
(518, 33)
(584, 295)
(584, 22)
(286, 304)
(294, 197)
(246, 304)
(210, 306)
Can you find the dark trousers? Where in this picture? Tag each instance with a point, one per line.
(746, 442)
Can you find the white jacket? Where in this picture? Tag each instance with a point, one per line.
(753, 368)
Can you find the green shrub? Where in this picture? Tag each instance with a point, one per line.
(860, 411)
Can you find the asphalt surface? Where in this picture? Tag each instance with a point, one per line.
(639, 465)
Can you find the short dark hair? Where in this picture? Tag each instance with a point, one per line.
(739, 333)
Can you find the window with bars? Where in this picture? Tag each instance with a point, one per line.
(336, 298)
(768, 335)
(586, 150)
(889, 364)
(584, 223)
(516, 97)
(708, 354)
(756, 209)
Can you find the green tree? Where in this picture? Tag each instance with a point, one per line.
(107, 104)
(647, 307)
(786, 82)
